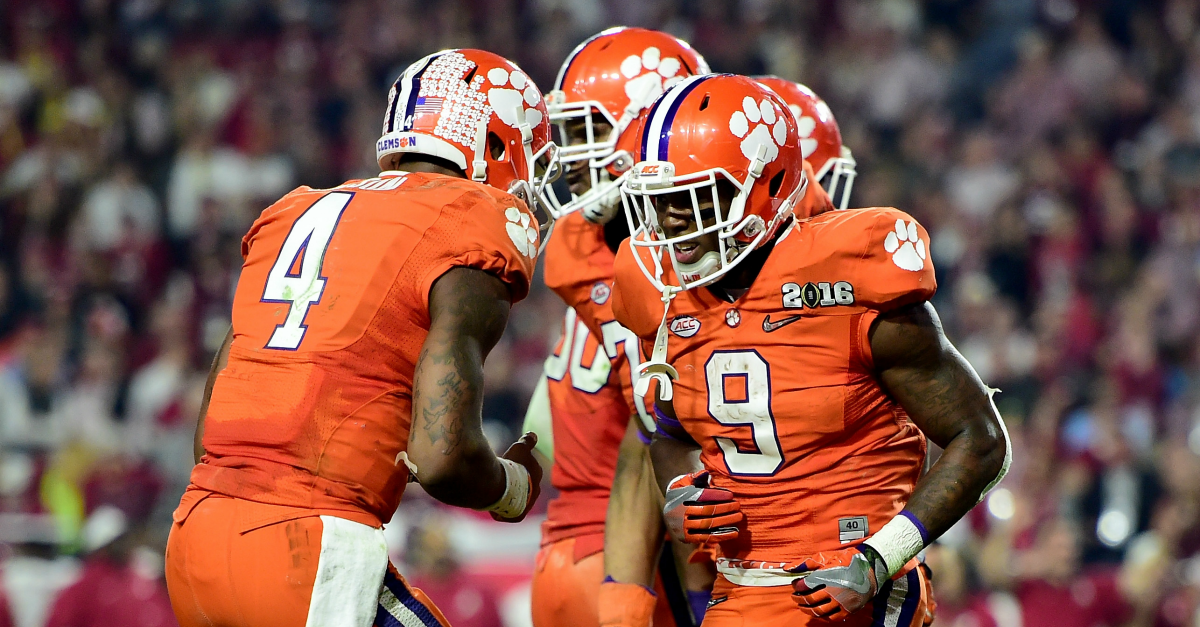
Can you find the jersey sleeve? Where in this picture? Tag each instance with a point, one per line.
(634, 300)
(493, 233)
(894, 267)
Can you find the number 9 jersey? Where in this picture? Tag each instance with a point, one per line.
(778, 387)
(314, 407)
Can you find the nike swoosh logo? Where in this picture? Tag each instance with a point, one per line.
(769, 326)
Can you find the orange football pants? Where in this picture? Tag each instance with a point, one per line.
(237, 563)
(565, 592)
(902, 602)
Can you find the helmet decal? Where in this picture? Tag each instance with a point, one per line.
(649, 76)
(408, 86)
(505, 101)
(770, 128)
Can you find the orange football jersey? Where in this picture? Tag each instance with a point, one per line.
(778, 387)
(590, 383)
(331, 310)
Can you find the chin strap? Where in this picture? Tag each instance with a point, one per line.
(658, 368)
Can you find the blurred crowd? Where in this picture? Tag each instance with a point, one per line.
(1051, 148)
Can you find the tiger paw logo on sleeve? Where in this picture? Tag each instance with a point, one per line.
(906, 246)
(522, 231)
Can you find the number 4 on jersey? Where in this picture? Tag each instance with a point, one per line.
(296, 278)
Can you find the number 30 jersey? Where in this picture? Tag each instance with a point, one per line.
(589, 382)
(778, 387)
(331, 311)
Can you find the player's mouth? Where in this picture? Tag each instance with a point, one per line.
(687, 252)
(577, 179)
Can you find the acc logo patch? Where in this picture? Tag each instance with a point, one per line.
(600, 293)
(685, 326)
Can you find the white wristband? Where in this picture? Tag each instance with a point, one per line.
(897, 542)
(516, 491)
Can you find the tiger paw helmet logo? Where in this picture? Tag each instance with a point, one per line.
(769, 128)
(509, 90)
(649, 76)
(906, 246)
(522, 231)
(805, 125)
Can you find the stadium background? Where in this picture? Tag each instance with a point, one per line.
(1051, 147)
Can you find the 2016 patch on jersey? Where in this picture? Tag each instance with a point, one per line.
(812, 295)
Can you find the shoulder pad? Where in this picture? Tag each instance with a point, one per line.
(885, 250)
(573, 263)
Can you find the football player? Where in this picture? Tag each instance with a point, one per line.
(360, 325)
(604, 86)
(801, 360)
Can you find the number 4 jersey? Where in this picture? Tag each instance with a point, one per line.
(778, 387)
(331, 310)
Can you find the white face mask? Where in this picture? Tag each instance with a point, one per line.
(737, 234)
(837, 177)
(597, 152)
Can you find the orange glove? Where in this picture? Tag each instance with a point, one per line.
(835, 585)
(625, 604)
(697, 514)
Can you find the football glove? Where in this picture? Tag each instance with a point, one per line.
(836, 585)
(625, 604)
(696, 513)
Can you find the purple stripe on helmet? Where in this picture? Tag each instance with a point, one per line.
(665, 137)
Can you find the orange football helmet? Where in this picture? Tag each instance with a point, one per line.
(478, 111)
(820, 138)
(612, 77)
(704, 130)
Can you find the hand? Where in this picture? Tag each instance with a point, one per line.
(521, 452)
(696, 513)
(840, 583)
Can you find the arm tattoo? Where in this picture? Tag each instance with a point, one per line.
(945, 398)
(435, 423)
(468, 312)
